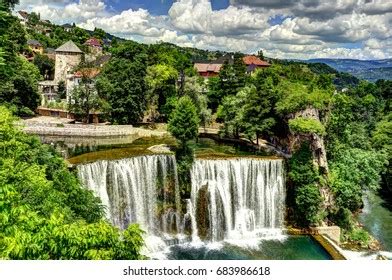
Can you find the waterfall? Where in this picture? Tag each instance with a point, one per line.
(230, 199)
(246, 197)
(137, 190)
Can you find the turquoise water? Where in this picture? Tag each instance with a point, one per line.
(377, 219)
(292, 248)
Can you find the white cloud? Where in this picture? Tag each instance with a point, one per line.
(314, 28)
(197, 16)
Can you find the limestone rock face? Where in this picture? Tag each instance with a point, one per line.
(316, 141)
(318, 150)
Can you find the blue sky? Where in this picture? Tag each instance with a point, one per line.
(157, 7)
(298, 29)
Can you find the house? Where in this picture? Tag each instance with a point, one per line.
(35, 46)
(212, 68)
(48, 90)
(94, 46)
(73, 80)
(23, 17)
(67, 27)
(208, 69)
(68, 56)
(252, 63)
(102, 60)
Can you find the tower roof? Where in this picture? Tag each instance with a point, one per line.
(69, 47)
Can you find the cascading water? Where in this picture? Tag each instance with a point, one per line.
(141, 190)
(230, 199)
(245, 197)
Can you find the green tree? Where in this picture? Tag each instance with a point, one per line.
(34, 18)
(161, 81)
(232, 77)
(20, 89)
(99, 33)
(260, 54)
(257, 112)
(84, 99)
(195, 89)
(122, 85)
(305, 181)
(184, 122)
(45, 213)
(45, 65)
(61, 90)
(8, 4)
(2, 60)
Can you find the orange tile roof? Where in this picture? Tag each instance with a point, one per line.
(94, 42)
(251, 59)
(208, 67)
(87, 72)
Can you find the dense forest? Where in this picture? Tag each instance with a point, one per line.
(335, 128)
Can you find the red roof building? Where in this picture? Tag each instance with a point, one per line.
(253, 62)
(94, 45)
(93, 42)
(208, 70)
(211, 69)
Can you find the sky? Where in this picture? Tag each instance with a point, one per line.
(292, 29)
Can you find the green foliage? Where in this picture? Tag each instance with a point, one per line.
(8, 4)
(2, 60)
(357, 236)
(303, 125)
(184, 122)
(228, 112)
(84, 100)
(122, 85)
(308, 203)
(355, 166)
(195, 88)
(352, 172)
(184, 158)
(33, 18)
(161, 81)
(232, 77)
(305, 179)
(382, 135)
(61, 90)
(36, 186)
(45, 65)
(302, 170)
(260, 54)
(99, 33)
(20, 89)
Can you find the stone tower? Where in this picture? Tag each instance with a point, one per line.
(68, 56)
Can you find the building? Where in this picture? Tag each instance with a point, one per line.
(208, 70)
(48, 90)
(68, 56)
(94, 46)
(51, 53)
(35, 46)
(212, 68)
(67, 27)
(23, 17)
(252, 63)
(73, 80)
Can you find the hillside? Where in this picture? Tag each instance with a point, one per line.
(371, 70)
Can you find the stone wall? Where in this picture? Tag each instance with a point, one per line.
(65, 62)
(332, 232)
